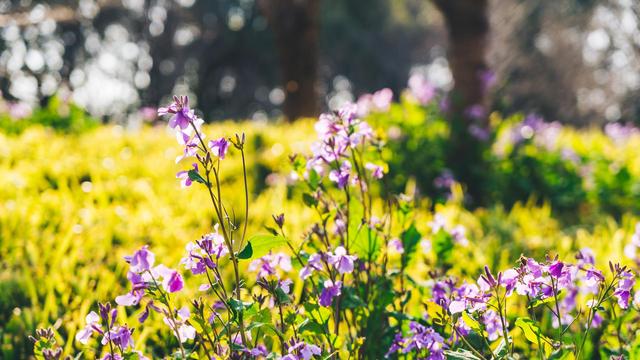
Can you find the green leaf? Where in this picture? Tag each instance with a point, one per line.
(309, 200)
(311, 326)
(351, 300)
(566, 354)
(195, 176)
(533, 333)
(410, 239)
(435, 312)
(282, 297)
(443, 246)
(461, 354)
(247, 252)
(471, 322)
(501, 350)
(263, 243)
(537, 302)
(314, 179)
(271, 230)
(237, 305)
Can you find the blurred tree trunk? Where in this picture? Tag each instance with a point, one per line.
(295, 24)
(468, 30)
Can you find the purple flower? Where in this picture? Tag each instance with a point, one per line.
(555, 269)
(182, 115)
(444, 180)
(459, 235)
(138, 285)
(341, 176)
(302, 351)
(185, 180)
(92, 325)
(219, 147)
(190, 144)
(476, 112)
(457, 306)
(492, 324)
(623, 289)
(341, 261)
(142, 260)
(421, 339)
(119, 336)
(395, 246)
(270, 263)
(330, 291)
(421, 89)
(376, 170)
(174, 282)
(171, 279)
(478, 132)
(314, 264)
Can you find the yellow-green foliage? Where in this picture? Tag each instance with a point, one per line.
(71, 206)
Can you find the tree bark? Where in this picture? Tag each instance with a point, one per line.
(295, 24)
(468, 29)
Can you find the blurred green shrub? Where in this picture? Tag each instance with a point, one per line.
(60, 115)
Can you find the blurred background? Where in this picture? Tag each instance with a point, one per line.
(516, 119)
(576, 61)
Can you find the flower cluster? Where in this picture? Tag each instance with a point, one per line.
(355, 293)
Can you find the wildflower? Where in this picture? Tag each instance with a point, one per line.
(219, 147)
(182, 115)
(395, 246)
(133, 297)
(92, 325)
(423, 339)
(302, 350)
(438, 222)
(421, 89)
(492, 324)
(268, 264)
(341, 261)
(142, 260)
(380, 101)
(376, 170)
(555, 269)
(444, 180)
(200, 254)
(171, 280)
(119, 336)
(623, 289)
(341, 176)
(190, 144)
(314, 264)
(330, 291)
(184, 330)
(457, 306)
(185, 179)
(458, 233)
